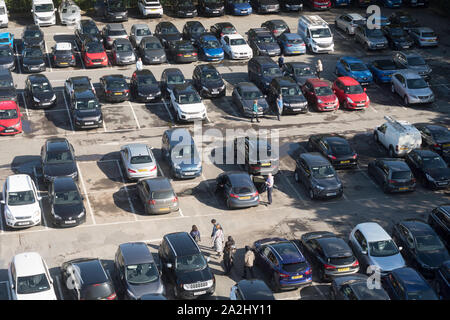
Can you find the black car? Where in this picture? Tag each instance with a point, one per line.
(66, 202)
(334, 147)
(429, 168)
(276, 27)
(439, 220)
(115, 88)
(185, 9)
(58, 160)
(243, 96)
(87, 29)
(256, 154)
(170, 78)
(151, 51)
(167, 32)
(331, 255)
(392, 174)
(63, 55)
(33, 60)
(7, 59)
(354, 287)
(437, 138)
(403, 19)
(251, 290)
(123, 52)
(211, 8)
(238, 189)
(397, 38)
(77, 83)
(208, 81)
(318, 176)
(262, 70)
(182, 51)
(262, 42)
(407, 284)
(422, 248)
(442, 281)
(294, 101)
(265, 6)
(114, 10)
(222, 28)
(7, 87)
(298, 71)
(39, 92)
(87, 279)
(144, 86)
(32, 36)
(192, 30)
(291, 5)
(184, 266)
(85, 109)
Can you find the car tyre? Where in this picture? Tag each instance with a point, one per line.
(405, 100)
(392, 88)
(321, 275)
(296, 177)
(347, 31)
(274, 284)
(376, 138)
(391, 152)
(311, 194)
(385, 188)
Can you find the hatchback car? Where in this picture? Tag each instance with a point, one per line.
(78, 83)
(407, 284)
(63, 55)
(87, 29)
(7, 58)
(66, 203)
(263, 42)
(235, 47)
(10, 118)
(282, 263)
(298, 71)
(39, 92)
(144, 86)
(58, 159)
(112, 10)
(93, 54)
(436, 138)
(383, 69)
(373, 246)
(291, 44)
(192, 30)
(243, 96)
(318, 176)
(170, 78)
(424, 37)
(335, 148)
(238, 189)
(69, 13)
(151, 51)
(136, 271)
(167, 32)
(414, 62)
(138, 161)
(157, 196)
(209, 48)
(7, 38)
(256, 154)
(277, 27)
(354, 68)
(33, 36)
(87, 279)
(429, 168)
(238, 7)
(439, 220)
(392, 174)
(350, 94)
(115, 88)
(251, 290)
(113, 31)
(319, 94)
(354, 287)
(122, 52)
(33, 60)
(397, 38)
(370, 39)
(185, 9)
(294, 101)
(20, 200)
(222, 28)
(85, 109)
(8, 90)
(442, 281)
(208, 81)
(30, 278)
(348, 22)
(182, 52)
(262, 70)
(211, 8)
(138, 32)
(411, 87)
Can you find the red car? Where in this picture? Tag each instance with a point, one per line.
(10, 118)
(318, 92)
(94, 55)
(350, 93)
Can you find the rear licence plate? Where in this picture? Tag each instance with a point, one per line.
(346, 161)
(244, 198)
(70, 222)
(118, 93)
(187, 55)
(64, 63)
(343, 269)
(142, 170)
(265, 164)
(163, 209)
(403, 188)
(296, 277)
(199, 293)
(446, 145)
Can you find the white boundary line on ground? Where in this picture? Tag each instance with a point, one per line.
(25, 105)
(17, 54)
(40, 203)
(126, 191)
(1, 222)
(134, 115)
(68, 112)
(86, 194)
(48, 57)
(167, 109)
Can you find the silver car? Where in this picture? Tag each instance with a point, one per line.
(138, 161)
(137, 32)
(348, 22)
(69, 13)
(424, 37)
(410, 86)
(373, 246)
(123, 52)
(413, 61)
(113, 31)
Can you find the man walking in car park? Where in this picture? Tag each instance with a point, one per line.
(228, 255)
(280, 62)
(215, 224)
(279, 107)
(319, 68)
(269, 183)
(249, 259)
(255, 111)
(139, 65)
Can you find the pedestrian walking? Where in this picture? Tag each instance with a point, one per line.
(228, 257)
(280, 62)
(319, 68)
(249, 260)
(279, 107)
(215, 224)
(218, 240)
(269, 183)
(139, 65)
(195, 234)
(255, 111)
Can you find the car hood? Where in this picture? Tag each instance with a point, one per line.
(33, 61)
(377, 39)
(214, 5)
(433, 259)
(194, 107)
(44, 14)
(194, 276)
(388, 263)
(125, 54)
(45, 295)
(98, 55)
(68, 211)
(148, 89)
(358, 97)
(330, 98)
(328, 183)
(85, 114)
(62, 169)
(8, 122)
(248, 104)
(439, 173)
(243, 48)
(401, 39)
(24, 211)
(8, 92)
(302, 79)
(147, 288)
(213, 84)
(171, 37)
(44, 95)
(294, 99)
(420, 92)
(241, 6)
(362, 74)
(214, 51)
(31, 42)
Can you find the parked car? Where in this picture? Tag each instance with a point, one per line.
(170, 78)
(93, 54)
(398, 38)
(114, 10)
(429, 168)
(238, 7)
(243, 96)
(138, 161)
(411, 87)
(82, 83)
(391, 3)
(32, 36)
(10, 118)
(238, 189)
(63, 55)
(185, 9)
(111, 32)
(330, 254)
(222, 28)
(151, 51)
(383, 69)
(211, 8)
(319, 94)
(298, 71)
(69, 13)
(442, 281)
(255, 153)
(407, 284)
(350, 93)
(282, 263)
(66, 203)
(354, 287)
(7, 58)
(87, 28)
(43, 12)
(436, 138)
(33, 60)
(414, 62)
(182, 51)
(291, 44)
(354, 68)
(87, 279)
(277, 27)
(8, 90)
(167, 32)
(262, 70)
(58, 160)
(251, 290)
(235, 47)
(20, 196)
(335, 148)
(122, 52)
(115, 88)
(192, 30)
(348, 22)
(85, 109)
(424, 37)
(294, 101)
(291, 5)
(136, 272)
(157, 195)
(150, 8)
(209, 48)
(39, 92)
(138, 32)
(265, 6)
(262, 42)
(392, 174)
(439, 220)
(403, 19)
(208, 81)
(187, 103)
(370, 39)
(144, 86)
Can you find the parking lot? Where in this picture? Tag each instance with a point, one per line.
(114, 212)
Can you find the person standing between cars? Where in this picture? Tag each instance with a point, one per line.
(228, 257)
(249, 260)
(269, 183)
(218, 240)
(195, 234)
(280, 62)
(319, 68)
(255, 111)
(279, 107)
(139, 65)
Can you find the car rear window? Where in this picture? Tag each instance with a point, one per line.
(243, 189)
(295, 267)
(141, 159)
(340, 261)
(117, 33)
(165, 194)
(428, 34)
(98, 291)
(401, 175)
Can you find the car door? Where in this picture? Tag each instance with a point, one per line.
(196, 78)
(124, 155)
(338, 89)
(227, 187)
(226, 44)
(359, 244)
(308, 92)
(264, 261)
(427, 138)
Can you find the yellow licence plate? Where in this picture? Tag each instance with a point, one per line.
(64, 63)
(404, 188)
(296, 51)
(163, 209)
(142, 170)
(187, 55)
(265, 164)
(118, 93)
(446, 145)
(245, 198)
(297, 277)
(346, 161)
(343, 269)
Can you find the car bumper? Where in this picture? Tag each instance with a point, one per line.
(379, 46)
(162, 210)
(295, 109)
(194, 294)
(148, 98)
(420, 101)
(237, 203)
(96, 64)
(428, 43)
(140, 175)
(67, 223)
(214, 13)
(243, 56)
(87, 124)
(317, 49)
(301, 50)
(322, 107)
(154, 60)
(274, 9)
(213, 58)
(291, 284)
(395, 189)
(65, 64)
(328, 194)
(46, 23)
(242, 12)
(443, 184)
(44, 104)
(347, 163)
(384, 79)
(10, 131)
(186, 59)
(112, 18)
(187, 14)
(118, 98)
(334, 274)
(125, 62)
(153, 12)
(293, 7)
(192, 117)
(187, 174)
(357, 106)
(33, 69)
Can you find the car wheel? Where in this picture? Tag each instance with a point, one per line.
(437, 288)
(321, 275)
(385, 188)
(332, 294)
(405, 101)
(296, 177)
(366, 47)
(175, 291)
(311, 194)
(347, 31)
(228, 204)
(346, 105)
(275, 284)
(336, 72)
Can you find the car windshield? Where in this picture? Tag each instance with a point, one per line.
(237, 42)
(321, 33)
(228, 30)
(242, 189)
(169, 30)
(295, 267)
(116, 84)
(95, 47)
(117, 33)
(434, 163)
(357, 66)
(398, 32)
(341, 261)
(124, 47)
(86, 104)
(67, 197)
(323, 91)
(272, 72)
(146, 80)
(374, 33)
(305, 71)
(175, 79)
(416, 61)
(46, 7)
(153, 45)
(7, 114)
(251, 95)
(401, 175)
(422, 295)
(183, 47)
(89, 29)
(211, 75)
(428, 34)
(143, 32)
(63, 52)
(341, 149)
(21, 198)
(290, 91)
(418, 83)
(384, 248)
(211, 44)
(184, 151)
(266, 39)
(428, 243)
(188, 98)
(164, 194)
(32, 34)
(32, 284)
(59, 157)
(33, 53)
(41, 87)
(356, 89)
(141, 159)
(323, 172)
(191, 262)
(198, 29)
(141, 273)
(117, 6)
(2, 10)
(385, 65)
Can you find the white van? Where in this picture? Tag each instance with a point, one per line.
(315, 33)
(150, 8)
(3, 15)
(43, 12)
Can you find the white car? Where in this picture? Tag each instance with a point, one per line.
(150, 8)
(3, 15)
(29, 278)
(69, 13)
(348, 22)
(21, 202)
(235, 46)
(187, 103)
(43, 12)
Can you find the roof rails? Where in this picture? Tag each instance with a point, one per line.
(397, 124)
(315, 20)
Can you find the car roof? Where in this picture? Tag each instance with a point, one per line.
(319, 82)
(224, 24)
(334, 246)
(149, 38)
(292, 36)
(173, 71)
(84, 93)
(28, 264)
(140, 26)
(255, 289)
(285, 81)
(354, 16)
(109, 77)
(158, 184)
(237, 176)
(19, 182)
(408, 74)
(135, 253)
(206, 67)
(348, 81)
(57, 144)
(182, 243)
(138, 149)
(115, 26)
(37, 78)
(287, 257)
(277, 21)
(351, 59)
(64, 184)
(417, 227)
(425, 153)
(410, 279)
(395, 164)
(165, 24)
(247, 85)
(121, 40)
(314, 159)
(335, 139)
(193, 23)
(91, 270)
(372, 231)
(182, 133)
(63, 46)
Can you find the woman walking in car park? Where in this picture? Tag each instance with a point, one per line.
(255, 111)
(195, 234)
(228, 256)
(218, 240)
(249, 260)
(279, 107)
(319, 68)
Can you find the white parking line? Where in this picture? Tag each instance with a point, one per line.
(104, 125)
(320, 292)
(160, 170)
(1, 224)
(68, 112)
(48, 57)
(293, 188)
(40, 204)
(25, 105)
(167, 109)
(86, 194)
(58, 286)
(134, 115)
(126, 191)
(367, 176)
(180, 212)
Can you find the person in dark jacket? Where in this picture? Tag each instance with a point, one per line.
(195, 234)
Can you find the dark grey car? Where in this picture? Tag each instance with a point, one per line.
(318, 176)
(7, 86)
(157, 195)
(136, 271)
(243, 96)
(371, 39)
(238, 189)
(298, 71)
(123, 52)
(257, 155)
(294, 101)
(263, 43)
(7, 57)
(392, 174)
(151, 51)
(138, 32)
(413, 61)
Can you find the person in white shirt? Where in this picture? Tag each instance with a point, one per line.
(319, 68)
(269, 183)
(139, 65)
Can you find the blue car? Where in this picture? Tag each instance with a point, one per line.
(354, 68)
(283, 262)
(391, 3)
(291, 44)
(341, 3)
(209, 48)
(442, 281)
(407, 284)
(238, 7)
(7, 38)
(383, 69)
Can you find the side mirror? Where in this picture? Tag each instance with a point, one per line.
(54, 10)
(364, 252)
(365, 89)
(12, 286)
(32, 10)
(169, 265)
(39, 198)
(400, 248)
(2, 201)
(208, 259)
